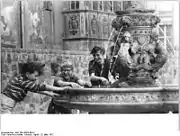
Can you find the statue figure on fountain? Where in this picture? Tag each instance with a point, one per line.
(137, 58)
(122, 61)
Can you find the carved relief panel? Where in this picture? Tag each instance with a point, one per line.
(105, 27)
(88, 4)
(93, 25)
(111, 17)
(82, 24)
(28, 23)
(73, 25)
(33, 18)
(10, 23)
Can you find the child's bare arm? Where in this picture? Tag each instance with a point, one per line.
(35, 87)
(70, 84)
(63, 83)
(96, 78)
(48, 93)
(83, 83)
(53, 88)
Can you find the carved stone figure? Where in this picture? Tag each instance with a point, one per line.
(82, 26)
(9, 23)
(94, 25)
(133, 5)
(124, 47)
(122, 60)
(73, 25)
(105, 26)
(141, 54)
(36, 36)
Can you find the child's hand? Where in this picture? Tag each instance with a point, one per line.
(49, 93)
(66, 89)
(54, 94)
(104, 81)
(75, 85)
(88, 84)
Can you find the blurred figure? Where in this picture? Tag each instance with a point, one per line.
(55, 69)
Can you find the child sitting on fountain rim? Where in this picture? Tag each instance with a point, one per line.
(66, 78)
(69, 78)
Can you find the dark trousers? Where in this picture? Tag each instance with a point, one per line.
(57, 109)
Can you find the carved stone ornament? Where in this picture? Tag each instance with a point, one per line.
(94, 25)
(121, 100)
(146, 54)
(73, 25)
(105, 26)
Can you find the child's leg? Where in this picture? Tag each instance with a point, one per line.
(51, 108)
(7, 104)
(57, 109)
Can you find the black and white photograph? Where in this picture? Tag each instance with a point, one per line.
(89, 57)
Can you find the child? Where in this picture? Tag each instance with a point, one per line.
(18, 87)
(66, 78)
(99, 68)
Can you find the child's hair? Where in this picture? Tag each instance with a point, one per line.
(96, 49)
(54, 66)
(66, 64)
(31, 67)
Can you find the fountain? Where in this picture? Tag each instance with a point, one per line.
(136, 58)
(137, 54)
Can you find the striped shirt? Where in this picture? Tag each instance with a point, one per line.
(18, 87)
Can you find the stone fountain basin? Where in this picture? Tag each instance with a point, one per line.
(135, 11)
(122, 100)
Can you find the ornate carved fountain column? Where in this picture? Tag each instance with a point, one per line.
(139, 54)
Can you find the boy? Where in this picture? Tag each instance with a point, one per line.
(66, 78)
(18, 87)
(99, 68)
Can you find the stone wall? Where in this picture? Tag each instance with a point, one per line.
(35, 103)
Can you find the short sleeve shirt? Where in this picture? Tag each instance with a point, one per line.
(101, 70)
